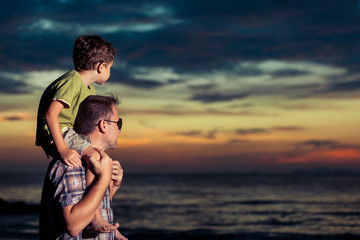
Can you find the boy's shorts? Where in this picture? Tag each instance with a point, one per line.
(72, 141)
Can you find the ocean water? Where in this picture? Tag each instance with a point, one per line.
(208, 206)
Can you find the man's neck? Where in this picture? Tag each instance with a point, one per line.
(96, 142)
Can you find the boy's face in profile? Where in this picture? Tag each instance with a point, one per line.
(104, 72)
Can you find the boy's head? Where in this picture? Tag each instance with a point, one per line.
(89, 51)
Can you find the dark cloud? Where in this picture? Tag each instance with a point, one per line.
(242, 105)
(189, 36)
(124, 78)
(140, 83)
(248, 72)
(321, 143)
(199, 133)
(9, 86)
(191, 133)
(288, 128)
(247, 131)
(202, 87)
(217, 97)
(211, 134)
(345, 86)
(12, 118)
(237, 141)
(289, 73)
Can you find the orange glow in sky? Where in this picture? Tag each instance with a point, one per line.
(198, 92)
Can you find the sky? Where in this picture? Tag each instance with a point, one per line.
(205, 86)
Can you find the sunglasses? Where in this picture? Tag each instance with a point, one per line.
(118, 123)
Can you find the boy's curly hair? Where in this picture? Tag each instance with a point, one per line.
(90, 50)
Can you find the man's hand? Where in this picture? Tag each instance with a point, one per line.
(117, 174)
(70, 157)
(101, 167)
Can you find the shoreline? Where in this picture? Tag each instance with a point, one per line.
(191, 235)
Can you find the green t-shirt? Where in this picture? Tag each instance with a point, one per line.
(71, 91)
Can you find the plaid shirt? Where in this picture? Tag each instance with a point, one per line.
(64, 186)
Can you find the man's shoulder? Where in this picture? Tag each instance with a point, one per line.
(59, 170)
(78, 142)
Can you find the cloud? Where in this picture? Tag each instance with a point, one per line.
(289, 73)
(12, 87)
(139, 83)
(288, 128)
(211, 134)
(12, 84)
(247, 131)
(27, 82)
(57, 27)
(217, 97)
(17, 117)
(328, 143)
(12, 118)
(320, 143)
(237, 141)
(345, 86)
(220, 52)
(191, 133)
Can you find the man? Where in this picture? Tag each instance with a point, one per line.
(67, 204)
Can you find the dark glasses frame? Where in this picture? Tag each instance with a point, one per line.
(118, 123)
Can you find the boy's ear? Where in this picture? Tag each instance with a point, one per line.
(100, 67)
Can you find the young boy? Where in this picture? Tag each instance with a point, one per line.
(93, 58)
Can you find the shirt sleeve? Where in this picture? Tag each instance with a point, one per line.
(66, 91)
(76, 141)
(72, 186)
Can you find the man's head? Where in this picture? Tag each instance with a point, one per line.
(90, 51)
(98, 117)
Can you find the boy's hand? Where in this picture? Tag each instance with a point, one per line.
(117, 174)
(71, 157)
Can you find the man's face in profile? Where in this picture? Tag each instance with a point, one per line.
(114, 130)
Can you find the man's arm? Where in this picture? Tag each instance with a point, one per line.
(79, 215)
(97, 224)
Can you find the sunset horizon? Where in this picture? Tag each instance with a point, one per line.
(237, 87)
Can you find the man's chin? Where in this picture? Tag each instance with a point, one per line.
(112, 147)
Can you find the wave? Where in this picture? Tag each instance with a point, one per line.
(18, 207)
(200, 234)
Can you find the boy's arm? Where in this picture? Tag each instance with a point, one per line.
(79, 215)
(90, 152)
(70, 156)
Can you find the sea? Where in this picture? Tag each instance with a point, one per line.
(211, 206)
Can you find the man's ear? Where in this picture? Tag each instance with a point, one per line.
(102, 126)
